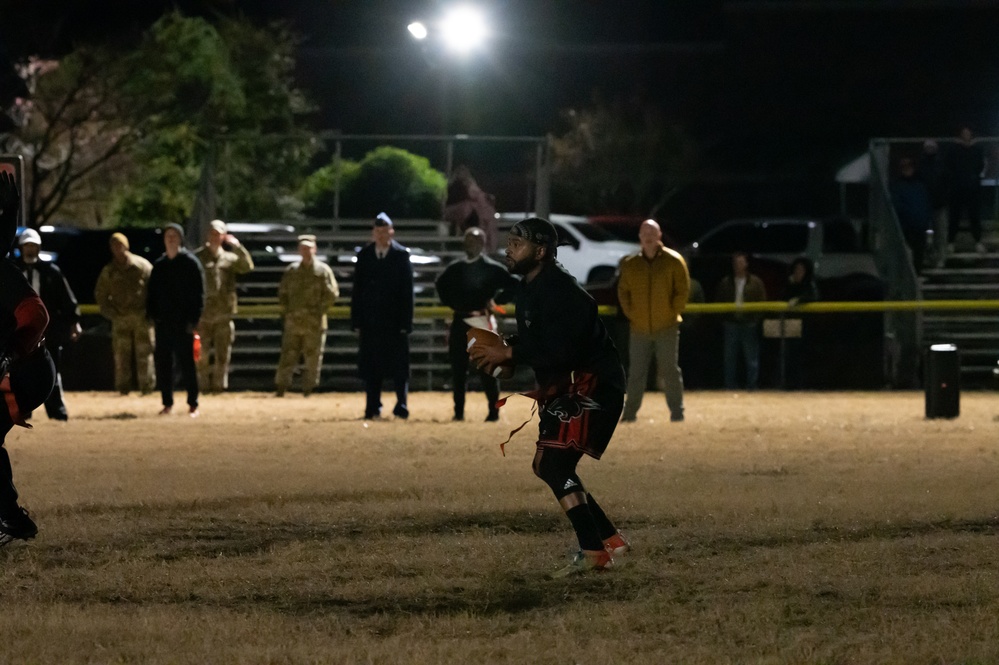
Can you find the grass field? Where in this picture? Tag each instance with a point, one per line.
(772, 528)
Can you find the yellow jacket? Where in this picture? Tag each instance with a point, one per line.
(653, 293)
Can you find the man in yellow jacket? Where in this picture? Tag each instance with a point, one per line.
(653, 290)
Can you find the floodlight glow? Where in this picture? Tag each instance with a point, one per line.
(418, 30)
(463, 29)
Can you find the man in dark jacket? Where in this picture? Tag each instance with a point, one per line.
(911, 199)
(580, 384)
(741, 330)
(47, 281)
(965, 164)
(468, 286)
(381, 312)
(175, 300)
(26, 371)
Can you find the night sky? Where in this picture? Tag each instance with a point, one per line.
(767, 87)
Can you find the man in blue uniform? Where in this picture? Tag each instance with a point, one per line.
(381, 312)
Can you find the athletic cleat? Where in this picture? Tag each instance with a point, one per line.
(617, 545)
(583, 562)
(17, 526)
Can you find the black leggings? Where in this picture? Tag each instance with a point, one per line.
(557, 467)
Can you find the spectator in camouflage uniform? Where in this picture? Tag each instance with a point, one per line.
(308, 288)
(223, 258)
(121, 297)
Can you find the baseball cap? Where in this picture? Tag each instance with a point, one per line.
(218, 225)
(307, 240)
(29, 235)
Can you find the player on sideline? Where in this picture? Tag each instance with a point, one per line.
(27, 374)
(580, 383)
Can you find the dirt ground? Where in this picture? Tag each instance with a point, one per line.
(768, 527)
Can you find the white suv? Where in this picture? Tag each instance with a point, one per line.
(588, 252)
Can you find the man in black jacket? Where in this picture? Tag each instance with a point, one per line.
(175, 299)
(580, 384)
(47, 281)
(468, 286)
(26, 371)
(381, 312)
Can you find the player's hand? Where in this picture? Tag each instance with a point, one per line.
(10, 198)
(231, 239)
(488, 358)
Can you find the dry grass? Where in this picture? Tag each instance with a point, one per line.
(823, 528)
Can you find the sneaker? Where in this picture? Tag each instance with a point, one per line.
(617, 545)
(585, 561)
(17, 526)
(981, 248)
(492, 417)
(628, 419)
(400, 411)
(279, 392)
(193, 412)
(166, 410)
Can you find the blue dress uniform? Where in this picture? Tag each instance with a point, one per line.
(381, 311)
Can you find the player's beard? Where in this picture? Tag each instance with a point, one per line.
(523, 266)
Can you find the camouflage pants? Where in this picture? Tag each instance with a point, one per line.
(306, 344)
(217, 335)
(132, 346)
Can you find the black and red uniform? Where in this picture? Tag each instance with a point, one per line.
(580, 390)
(581, 381)
(30, 374)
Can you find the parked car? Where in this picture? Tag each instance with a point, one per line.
(834, 245)
(588, 252)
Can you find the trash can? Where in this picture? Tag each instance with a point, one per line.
(943, 381)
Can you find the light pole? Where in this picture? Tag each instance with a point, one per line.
(460, 31)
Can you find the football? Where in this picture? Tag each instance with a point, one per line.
(479, 337)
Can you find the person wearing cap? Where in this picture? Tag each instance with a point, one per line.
(174, 302)
(64, 313)
(121, 297)
(381, 312)
(223, 258)
(653, 289)
(27, 374)
(580, 383)
(307, 290)
(468, 286)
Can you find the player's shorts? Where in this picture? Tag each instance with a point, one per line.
(582, 418)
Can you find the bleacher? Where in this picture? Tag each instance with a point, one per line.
(258, 340)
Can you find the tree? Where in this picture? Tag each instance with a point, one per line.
(388, 179)
(138, 126)
(623, 158)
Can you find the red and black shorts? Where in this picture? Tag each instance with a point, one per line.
(582, 417)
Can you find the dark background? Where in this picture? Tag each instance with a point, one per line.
(777, 94)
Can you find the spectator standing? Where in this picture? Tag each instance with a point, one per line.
(223, 258)
(930, 170)
(653, 290)
(741, 329)
(965, 164)
(468, 286)
(381, 312)
(121, 296)
(47, 281)
(27, 374)
(799, 290)
(174, 304)
(911, 200)
(308, 289)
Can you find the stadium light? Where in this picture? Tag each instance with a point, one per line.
(464, 29)
(418, 30)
